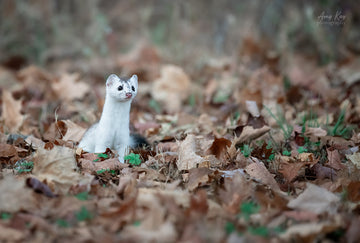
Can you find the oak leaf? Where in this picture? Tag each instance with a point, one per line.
(172, 88)
(315, 199)
(11, 112)
(187, 154)
(68, 88)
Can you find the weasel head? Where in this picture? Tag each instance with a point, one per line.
(122, 89)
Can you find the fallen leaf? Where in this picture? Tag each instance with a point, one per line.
(37, 82)
(307, 158)
(249, 133)
(353, 191)
(11, 112)
(55, 131)
(353, 232)
(198, 205)
(57, 167)
(309, 231)
(90, 166)
(68, 88)
(11, 235)
(173, 83)
(198, 177)
(236, 190)
(315, 199)
(315, 131)
(302, 215)
(334, 159)
(154, 224)
(350, 73)
(323, 172)
(268, 198)
(144, 60)
(73, 132)
(7, 150)
(187, 154)
(355, 159)
(205, 123)
(263, 153)
(15, 196)
(210, 89)
(258, 171)
(290, 170)
(35, 142)
(219, 148)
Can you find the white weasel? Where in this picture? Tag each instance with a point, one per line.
(112, 131)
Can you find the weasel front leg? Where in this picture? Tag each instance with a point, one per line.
(103, 141)
(122, 150)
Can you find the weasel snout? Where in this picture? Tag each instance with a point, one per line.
(128, 95)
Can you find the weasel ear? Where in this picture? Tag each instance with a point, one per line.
(134, 79)
(111, 80)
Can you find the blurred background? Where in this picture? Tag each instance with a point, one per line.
(187, 33)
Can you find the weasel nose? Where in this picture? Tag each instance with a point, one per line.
(128, 95)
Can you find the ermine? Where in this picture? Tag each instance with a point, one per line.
(112, 131)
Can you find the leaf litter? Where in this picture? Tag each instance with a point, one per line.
(231, 158)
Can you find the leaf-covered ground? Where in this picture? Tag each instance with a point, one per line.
(242, 149)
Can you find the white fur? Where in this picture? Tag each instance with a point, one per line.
(112, 131)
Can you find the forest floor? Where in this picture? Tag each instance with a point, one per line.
(245, 148)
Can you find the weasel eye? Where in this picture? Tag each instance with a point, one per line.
(133, 88)
(120, 88)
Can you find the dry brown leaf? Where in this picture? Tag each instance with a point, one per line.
(323, 172)
(258, 171)
(15, 196)
(198, 177)
(210, 89)
(37, 82)
(11, 112)
(68, 88)
(290, 170)
(302, 215)
(268, 198)
(74, 132)
(353, 232)
(309, 231)
(334, 159)
(187, 154)
(237, 189)
(315, 199)
(35, 142)
(143, 59)
(90, 166)
(315, 131)
(219, 148)
(355, 159)
(205, 123)
(154, 225)
(307, 158)
(11, 235)
(198, 205)
(350, 73)
(172, 88)
(7, 150)
(353, 190)
(249, 133)
(57, 167)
